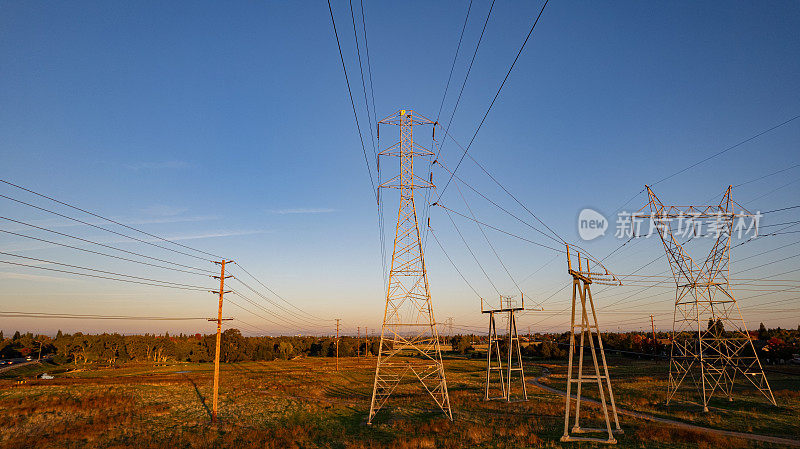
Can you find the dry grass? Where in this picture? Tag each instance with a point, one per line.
(300, 404)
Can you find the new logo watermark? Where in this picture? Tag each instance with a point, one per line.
(591, 224)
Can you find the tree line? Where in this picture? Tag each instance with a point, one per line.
(774, 346)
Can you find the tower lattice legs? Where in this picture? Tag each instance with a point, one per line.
(589, 330)
(409, 345)
(513, 362)
(514, 348)
(709, 334)
(493, 352)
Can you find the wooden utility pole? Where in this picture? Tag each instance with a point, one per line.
(358, 344)
(219, 321)
(337, 344)
(653, 327)
(366, 342)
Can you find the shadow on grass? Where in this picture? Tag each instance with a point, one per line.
(199, 395)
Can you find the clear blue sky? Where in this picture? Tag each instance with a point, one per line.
(228, 125)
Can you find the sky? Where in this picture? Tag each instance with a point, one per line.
(228, 127)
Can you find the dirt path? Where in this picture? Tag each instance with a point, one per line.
(682, 425)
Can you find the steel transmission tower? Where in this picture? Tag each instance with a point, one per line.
(409, 343)
(514, 360)
(589, 329)
(703, 294)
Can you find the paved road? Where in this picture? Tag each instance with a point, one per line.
(683, 425)
(16, 365)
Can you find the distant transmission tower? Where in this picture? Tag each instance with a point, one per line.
(589, 329)
(514, 360)
(722, 349)
(409, 338)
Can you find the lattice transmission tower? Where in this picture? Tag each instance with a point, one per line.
(589, 331)
(494, 358)
(409, 343)
(722, 349)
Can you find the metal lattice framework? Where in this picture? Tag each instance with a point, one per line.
(494, 360)
(589, 330)
(409, 337)
(721, 350)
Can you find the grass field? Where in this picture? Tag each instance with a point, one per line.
(306, 403)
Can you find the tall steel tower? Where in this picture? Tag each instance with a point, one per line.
(589, 331)
(409, 343)
(723, 349)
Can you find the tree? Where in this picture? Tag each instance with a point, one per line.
(285, 349)
(58, 334)
(762, 332)
(233, 347)
(16, 336)
(1, 336)
(461, 344)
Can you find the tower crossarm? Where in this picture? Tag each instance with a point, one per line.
(684, 268)
(709, 334)
(406, 117)
(396, 183)
(416, 150)
(581, 269)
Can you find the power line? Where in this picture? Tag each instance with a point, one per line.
(472, 253)
(292, 322)
(276, 294)
(256, 314)
(500, 230)
(454, 264)
(252, 326)
(779, 210)
(363, 86)
(723, 151)
(352, 102)
(103, 229)
(426, 207)
(101, 253)
(108, 219)
(102, 277)
(458, 178)
(539, 269)
(455, 57)
(494, 99)
(101, 271)
(726, 150)
(466, 77)
(773, 190)
(104, 245)
(369, 65)
(766, 176)
(480, 228)
(7, 314)
(252, 313)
